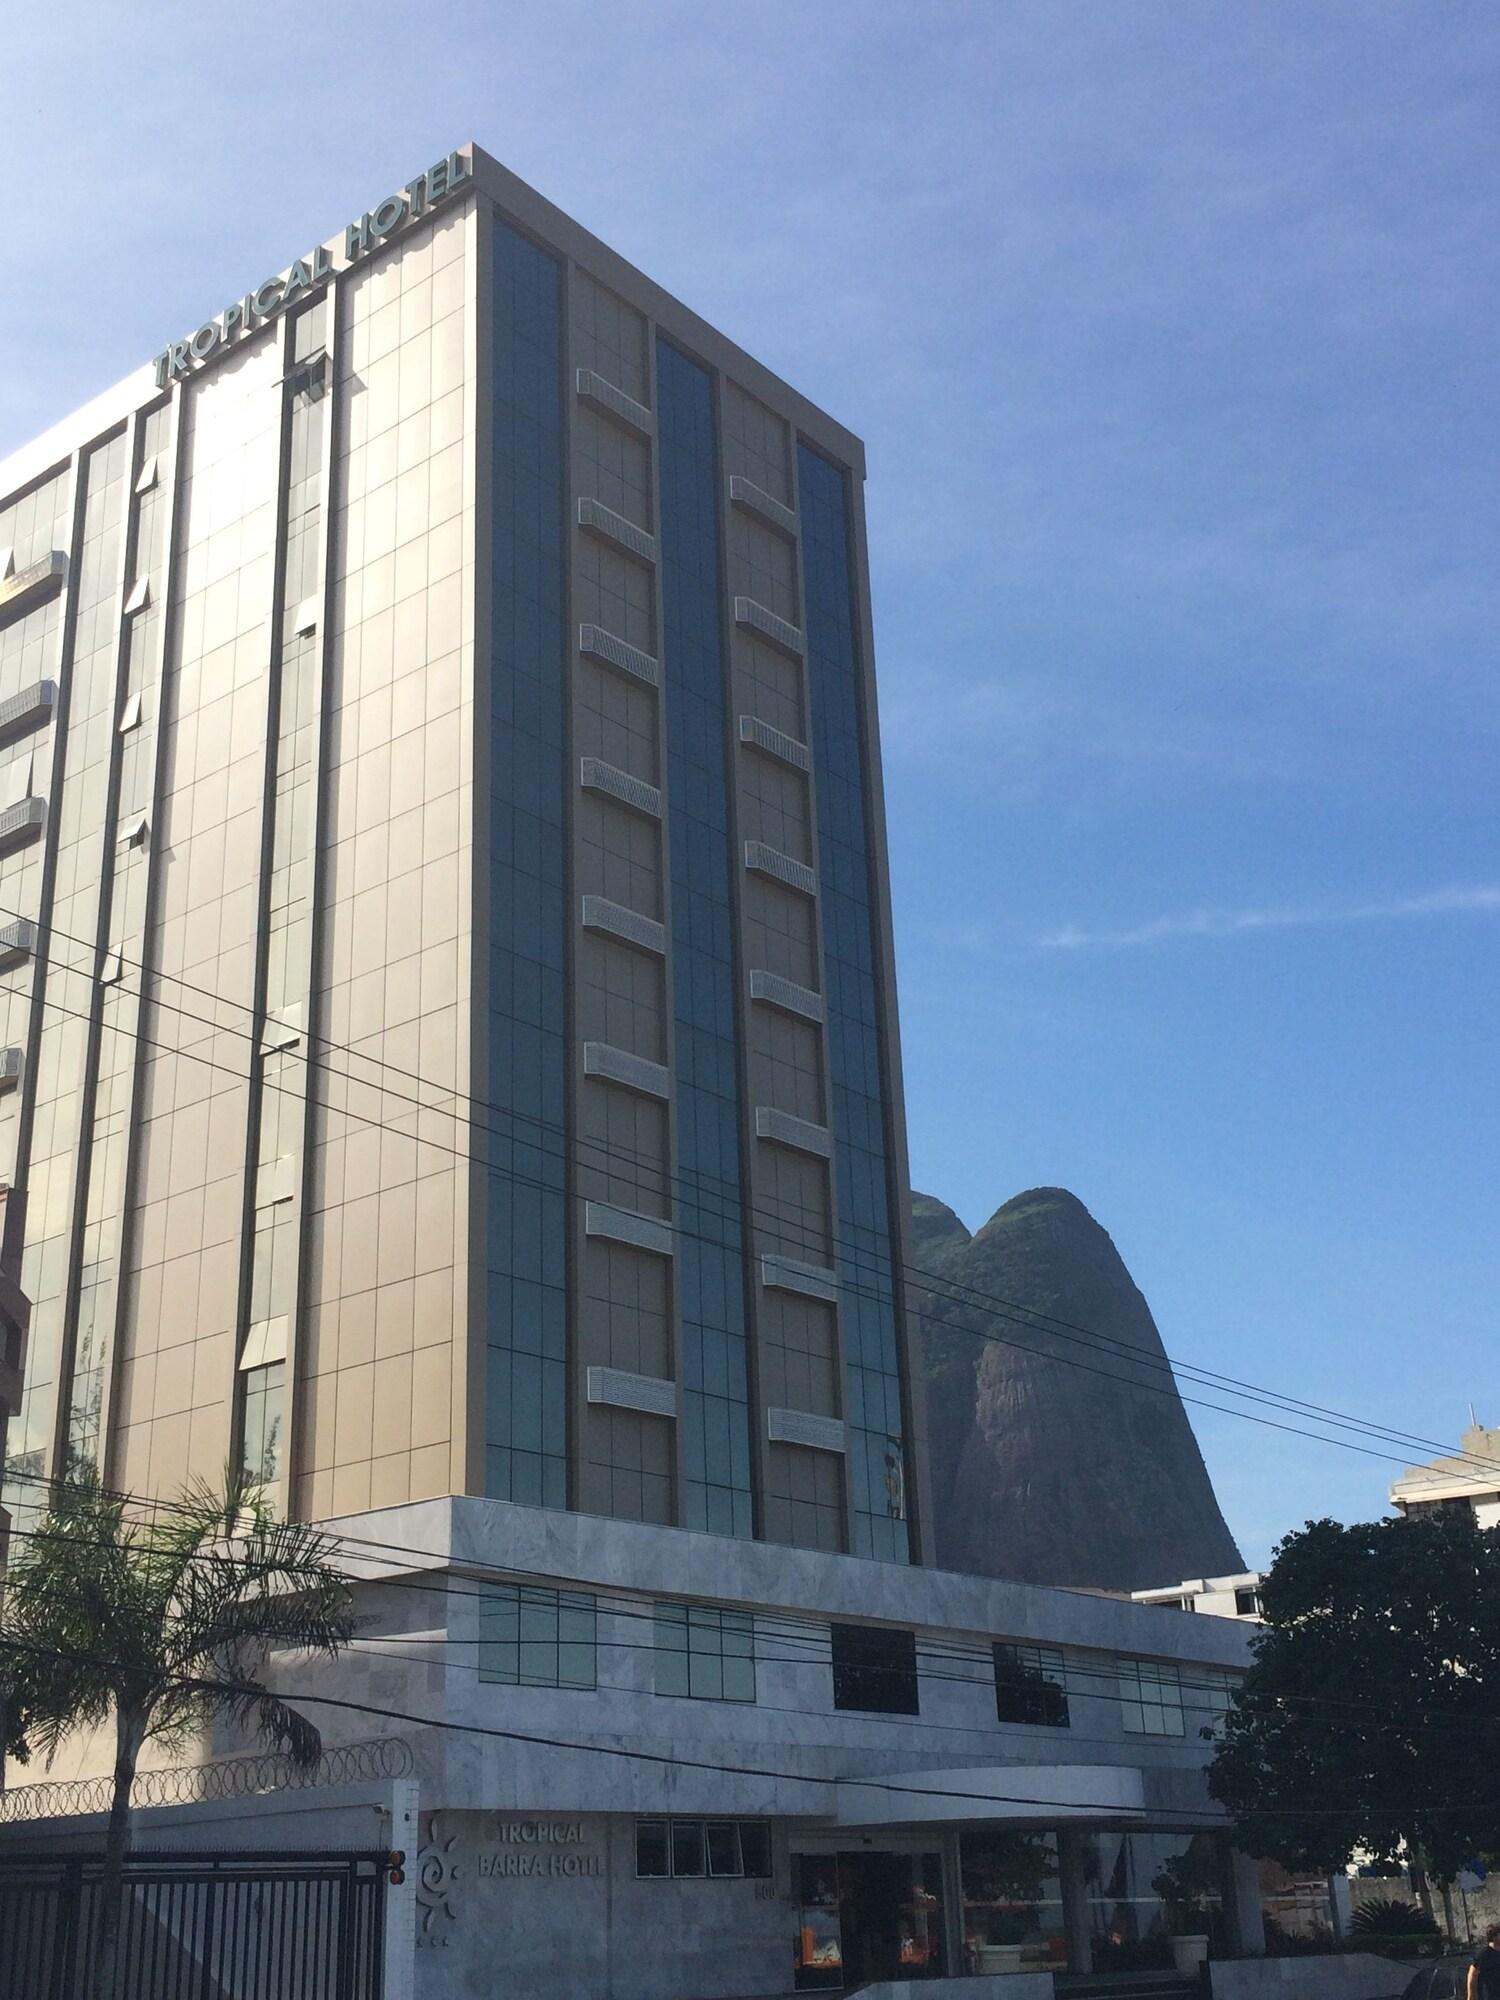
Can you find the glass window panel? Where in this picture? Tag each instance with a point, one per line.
(755, 1848)
(715, 1408)
(705, 1652)
(652, 1856)
(1031, 1686)
(671, 1650)
(533, 1637)
(723, 1840)
(706, 1674)
(1012, 1902)
(526, 1434)
(1150, 1698)
(875, 1669)
(687, 1847)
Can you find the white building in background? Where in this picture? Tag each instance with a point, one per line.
(1470, 1479)
(1219, 1596)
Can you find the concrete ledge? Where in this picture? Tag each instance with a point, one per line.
(971, 1986)
(1330, 1975)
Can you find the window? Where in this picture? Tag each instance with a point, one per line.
(532, 1637)
(705, 1652)
(1150, 1697)
(261, 1436)
(1247, 1604)
(755, 1849)
(1208, 1691)
(1012, 1901)
(653, 1852)
(1031, 1685)
(691, 1849)
(875, 1668)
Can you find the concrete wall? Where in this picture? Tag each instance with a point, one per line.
(998, 1986)
(1326, 1976)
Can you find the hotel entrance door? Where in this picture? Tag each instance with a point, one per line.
(868, 1915)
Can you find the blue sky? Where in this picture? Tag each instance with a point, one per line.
(1170, 328)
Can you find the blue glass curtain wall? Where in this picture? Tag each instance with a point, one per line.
(524, 1149)
(710, 1254)
(867, 1296)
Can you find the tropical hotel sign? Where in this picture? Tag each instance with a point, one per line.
(273, 295)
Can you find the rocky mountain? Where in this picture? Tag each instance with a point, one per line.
(1042, 1470)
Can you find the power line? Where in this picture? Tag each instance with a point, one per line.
(951, 1291)
(847, 1285)
(200, 1684)
(734, 1201)
(811, 1630)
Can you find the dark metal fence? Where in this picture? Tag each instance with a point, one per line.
(266, 1926)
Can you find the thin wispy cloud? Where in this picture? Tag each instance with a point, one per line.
(1476, 900)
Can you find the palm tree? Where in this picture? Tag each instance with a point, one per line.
(162, 1623)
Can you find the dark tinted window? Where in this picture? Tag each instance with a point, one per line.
(875, 1668)
(848, 829)
(719, 1848)
(1030, 1687)
(651, 1857)
(710, 1242)
(755, 1848)
(687, 1847)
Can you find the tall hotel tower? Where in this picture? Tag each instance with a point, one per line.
(449, 1033)
(450, 1067)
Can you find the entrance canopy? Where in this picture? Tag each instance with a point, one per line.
(1019, 1794)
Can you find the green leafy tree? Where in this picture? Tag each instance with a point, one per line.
(1371, 1715)
(162, 1625)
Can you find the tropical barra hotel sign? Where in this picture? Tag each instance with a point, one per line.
(273, 295)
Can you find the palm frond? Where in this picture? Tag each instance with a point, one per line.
(279, 1724)
(171, 1616)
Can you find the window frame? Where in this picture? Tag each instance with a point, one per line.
(852, 1677)
(1045, 1695)
(760, 1841)
(563, 1605)
(704, 1664)
(1211, 1696)
(1134, 1676)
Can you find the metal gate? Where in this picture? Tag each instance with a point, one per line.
(195, 1926)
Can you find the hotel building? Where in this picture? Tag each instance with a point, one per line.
(450, 1059)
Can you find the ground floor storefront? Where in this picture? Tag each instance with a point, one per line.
(667, 1908)
(978, 1899)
